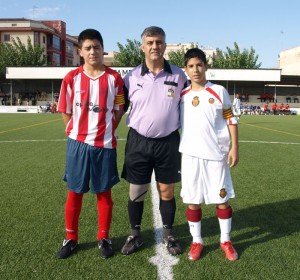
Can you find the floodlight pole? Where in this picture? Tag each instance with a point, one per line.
(11, 98)
(234, 89)
(52, 90)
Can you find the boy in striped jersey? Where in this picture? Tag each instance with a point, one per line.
(91, 102)
(207, 125)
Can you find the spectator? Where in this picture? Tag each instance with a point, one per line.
(287, 109)
(236, 106)
(258, 110)
(274, 108)
(266, 108)
(281, 109)
(48, 107)
(245, 109)
(251, 110)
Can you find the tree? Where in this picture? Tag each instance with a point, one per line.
(177, 57)
(129, 55)
(17, 54)
(234, 58)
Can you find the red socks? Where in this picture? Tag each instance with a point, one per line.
(73, 209)
(72, 213)
(105, 206)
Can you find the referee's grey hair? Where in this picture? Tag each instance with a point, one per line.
(153, 30)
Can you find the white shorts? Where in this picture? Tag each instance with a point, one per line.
(236, 112)
(205, 181)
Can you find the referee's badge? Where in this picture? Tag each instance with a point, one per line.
(223, 192)
(211, 101)
(171, 92)
(195, 101)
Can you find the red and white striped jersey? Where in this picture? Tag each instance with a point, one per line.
(92, 101)
(204, 118)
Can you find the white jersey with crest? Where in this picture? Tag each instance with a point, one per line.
(204, 118)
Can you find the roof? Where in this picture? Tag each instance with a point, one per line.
(266, 75)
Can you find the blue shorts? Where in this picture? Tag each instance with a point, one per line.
(90, 168)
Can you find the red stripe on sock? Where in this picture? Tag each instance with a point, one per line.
(224, 213)
(194, 215)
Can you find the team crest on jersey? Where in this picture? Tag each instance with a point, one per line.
(98, 109)
(171, 92)
(195, 101)
(92, 107)
(223, 192)
(211, 101)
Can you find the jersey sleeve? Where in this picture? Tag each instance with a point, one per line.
(64, 101)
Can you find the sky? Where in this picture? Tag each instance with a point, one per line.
(267, 26)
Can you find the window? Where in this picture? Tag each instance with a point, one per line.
(55, 59)
(69, 48)
(44, 39)
(36, 38)
(6, 37)
(56, 42)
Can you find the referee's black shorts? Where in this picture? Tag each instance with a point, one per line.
(143, 155)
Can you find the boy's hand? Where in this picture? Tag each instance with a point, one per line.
(233, 157)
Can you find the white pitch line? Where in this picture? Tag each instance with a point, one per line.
(162, 259)
(124, 139)
(266, 142)
(41, 140)
(26, 141)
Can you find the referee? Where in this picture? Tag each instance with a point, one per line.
(153, 90)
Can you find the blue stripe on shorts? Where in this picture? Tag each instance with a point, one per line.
(90, 168)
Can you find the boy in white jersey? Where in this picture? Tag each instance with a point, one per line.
(91, 102)
(236, 106)
(207, 123)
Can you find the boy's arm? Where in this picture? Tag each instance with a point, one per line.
(66, 118)
(118, 115)
(233, 156)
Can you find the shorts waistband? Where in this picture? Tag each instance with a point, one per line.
(131, 130)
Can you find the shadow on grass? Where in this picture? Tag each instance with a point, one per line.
(258, 224)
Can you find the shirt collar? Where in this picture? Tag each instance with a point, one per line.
(145, 69)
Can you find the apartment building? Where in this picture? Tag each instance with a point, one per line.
(60, 47)
(210, 52)
(289, 61)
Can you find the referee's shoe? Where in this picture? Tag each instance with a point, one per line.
(172, 245)
(132, 244)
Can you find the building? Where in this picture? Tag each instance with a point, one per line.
(109, 57)
(61, 49)
(210, 52)
(289, 61)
